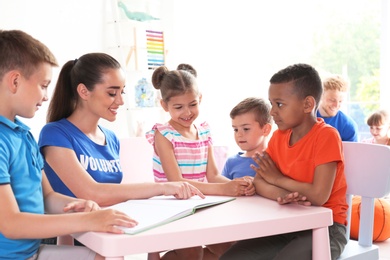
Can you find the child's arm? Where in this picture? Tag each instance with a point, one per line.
(317, 192)
(266, 189)
(22, 225)
(212, 173)
(173, 173)
(214, 176)
(250, 188)
(273, 192)
(56, 203)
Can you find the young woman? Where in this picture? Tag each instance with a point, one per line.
(82, 157)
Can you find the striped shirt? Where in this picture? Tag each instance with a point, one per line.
(191, 155)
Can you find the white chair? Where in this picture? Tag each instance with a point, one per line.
(136, 157)
(221, 153)
(367, 170)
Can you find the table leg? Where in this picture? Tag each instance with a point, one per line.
(321, 246)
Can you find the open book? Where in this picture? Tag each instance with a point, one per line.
(160, 210)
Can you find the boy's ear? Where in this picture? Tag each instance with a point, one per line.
(83, 91)
(12, 80)
(267, 129)
(309, 104)
(200, 98)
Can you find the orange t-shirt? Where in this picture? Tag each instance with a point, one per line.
(322, 144)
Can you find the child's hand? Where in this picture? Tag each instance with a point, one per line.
(109, 220)
(267, 168)
(294, 197)
(236, 187)
(181, 190)
(250, 189)
(81, 206)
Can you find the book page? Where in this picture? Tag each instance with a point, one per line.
(160, 210)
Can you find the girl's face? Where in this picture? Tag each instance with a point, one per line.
(380, 132)
(105, 99)
(183, 109)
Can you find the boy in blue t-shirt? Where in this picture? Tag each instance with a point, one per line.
(25, 74)
(252, 125)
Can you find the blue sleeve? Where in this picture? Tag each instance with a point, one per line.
(4, 164)
(53, 134)
(225, 171)
(350, 132)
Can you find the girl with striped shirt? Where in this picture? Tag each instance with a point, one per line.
(183, 150)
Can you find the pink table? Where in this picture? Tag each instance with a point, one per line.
(245, 217)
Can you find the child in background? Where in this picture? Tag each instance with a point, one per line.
(303, 163)
(252, 125)
(183, 150)
(26, 195)
(379, 123)
(334, 91)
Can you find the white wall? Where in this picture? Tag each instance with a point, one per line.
(69, 28)
(235, 45)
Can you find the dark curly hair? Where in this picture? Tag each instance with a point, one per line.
(305, 78)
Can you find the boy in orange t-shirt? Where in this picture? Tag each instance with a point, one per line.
(303, 163)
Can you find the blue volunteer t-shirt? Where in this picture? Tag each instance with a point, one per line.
(20, 166)
(100, 161)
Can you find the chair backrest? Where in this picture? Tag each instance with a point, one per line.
(367, 171)
(221, 153)
(136, 157)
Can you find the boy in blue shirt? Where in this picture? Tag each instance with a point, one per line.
(25, 74)
(252, 125)
(303, 164)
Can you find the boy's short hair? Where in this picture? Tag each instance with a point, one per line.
(19, 50)
(258, 106)
(380, 117)
(305, 78)
(335, 82)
